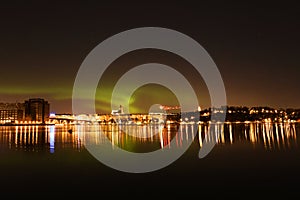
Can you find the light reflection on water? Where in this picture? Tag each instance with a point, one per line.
(271, 136)
(38, 138)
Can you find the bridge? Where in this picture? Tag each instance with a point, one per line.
(73, 119)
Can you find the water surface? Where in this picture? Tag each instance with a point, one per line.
(247, 157)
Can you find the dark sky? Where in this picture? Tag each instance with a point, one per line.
(254, 45)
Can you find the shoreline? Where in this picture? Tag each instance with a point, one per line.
(27, 124)
(182, 123)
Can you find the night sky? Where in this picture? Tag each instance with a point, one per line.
(255, 46)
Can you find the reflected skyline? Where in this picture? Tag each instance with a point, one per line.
(270, 136)
(38, 138)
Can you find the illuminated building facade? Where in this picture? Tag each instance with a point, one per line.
(11, 112)
(37, 109)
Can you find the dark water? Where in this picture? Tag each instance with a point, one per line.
(251, 158)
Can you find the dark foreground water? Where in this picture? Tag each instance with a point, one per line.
(251, 158)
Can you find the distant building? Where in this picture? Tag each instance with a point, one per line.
(11, 112)
(37, 109)
(119, 111)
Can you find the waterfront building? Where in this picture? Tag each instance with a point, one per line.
(37, 110)
(11, 112)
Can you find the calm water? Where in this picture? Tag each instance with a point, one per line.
(247, 157)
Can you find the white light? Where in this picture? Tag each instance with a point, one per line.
(199, 108)
(52, 139)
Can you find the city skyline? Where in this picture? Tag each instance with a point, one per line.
(156, 108)
(36, 110)
(162, 107)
